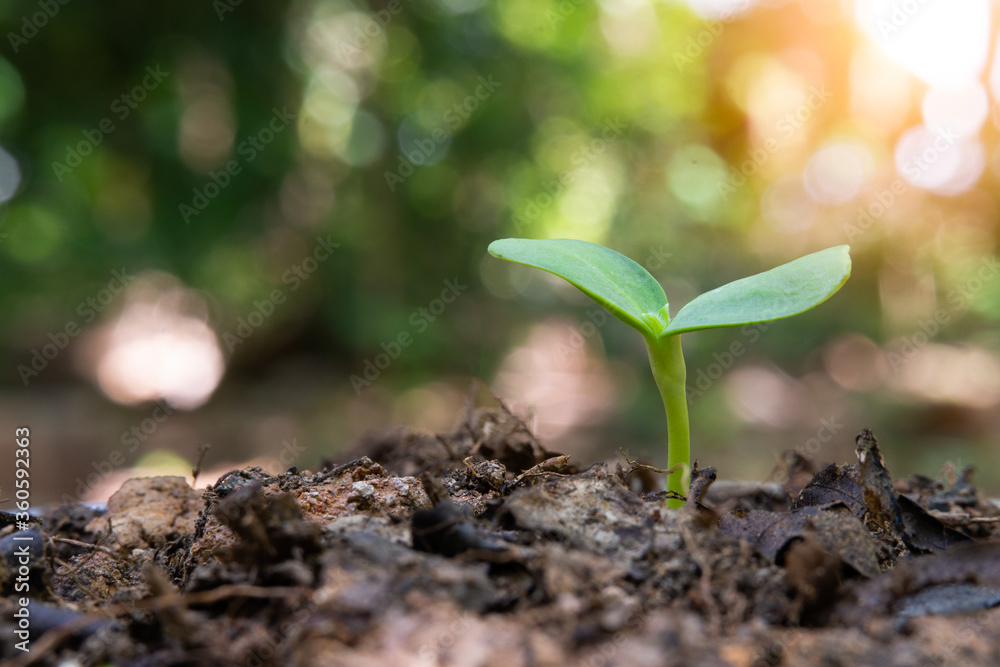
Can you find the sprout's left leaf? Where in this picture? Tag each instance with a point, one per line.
(609, 278)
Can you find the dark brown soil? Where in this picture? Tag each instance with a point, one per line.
(481, 548)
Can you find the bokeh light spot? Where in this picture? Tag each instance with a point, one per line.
(943, 43)
(365, 143)
(10, 176)
(923, 163)
(835, 173)
(959, 110)
(694, 175)
(424, 137)
(855, 363)
(160, 347)
(559, 374)
(34, 233)
(720, 9)
(788, 206)
(967, 376)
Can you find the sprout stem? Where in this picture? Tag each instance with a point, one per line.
(666, 360)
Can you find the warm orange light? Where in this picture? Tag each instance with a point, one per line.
(946, 46)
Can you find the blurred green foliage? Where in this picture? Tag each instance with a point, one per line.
(423, 130)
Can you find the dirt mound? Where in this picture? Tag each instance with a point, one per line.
(481, 548)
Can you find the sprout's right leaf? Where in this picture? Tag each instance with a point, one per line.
(781, 292)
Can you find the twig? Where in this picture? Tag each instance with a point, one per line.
(97, 546)
(635, 465)
(210, 596)
(85, 545)
(202, 450)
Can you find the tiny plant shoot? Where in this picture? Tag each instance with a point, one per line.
(632, 295)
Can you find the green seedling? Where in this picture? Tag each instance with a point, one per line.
(632, 295)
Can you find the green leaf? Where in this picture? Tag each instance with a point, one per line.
(781, 292)
(609, 278)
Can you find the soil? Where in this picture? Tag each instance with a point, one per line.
(481, 548)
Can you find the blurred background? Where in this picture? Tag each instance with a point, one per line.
(265, 228)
